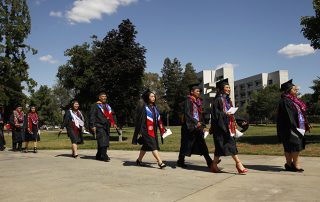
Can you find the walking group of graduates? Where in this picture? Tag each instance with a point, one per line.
(291, 127)
(25, 128)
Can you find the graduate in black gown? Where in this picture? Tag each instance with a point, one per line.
(18, 124)
(101, 119)
(2, 140)
(32, 132)
(74, 123)
(224, 126)
(148, 121)
(193, 128)
(291, 118)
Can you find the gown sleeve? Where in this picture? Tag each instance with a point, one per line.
(218, 116)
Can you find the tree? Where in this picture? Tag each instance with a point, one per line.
(311, 26)
(15, 26)
(48, 109)
(116, 65)
(172, 82)
(189, 77)
(152, 81)
(120, 64)
(264, 103)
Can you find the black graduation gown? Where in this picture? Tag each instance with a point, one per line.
(74, 133)
(102, 125)
(287, 121)
(149, 143)
(192, 138)
(225, 145)
(34, 136)
(2, 140)
(17, 132)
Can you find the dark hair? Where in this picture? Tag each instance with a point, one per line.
(72, 103)
(30, 107)
(146, 96)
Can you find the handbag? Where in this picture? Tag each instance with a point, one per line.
(140, 140)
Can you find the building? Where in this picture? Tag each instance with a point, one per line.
(244, 87)
(208, 80)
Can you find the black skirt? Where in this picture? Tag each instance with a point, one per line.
(297, 146)
(34, 136)
(224, 144)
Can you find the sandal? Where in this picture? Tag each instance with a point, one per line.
(161, 165)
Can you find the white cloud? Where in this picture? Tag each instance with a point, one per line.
(226, 65)
(83, 11)
(295, 50)
(56, 14)
(48, 58)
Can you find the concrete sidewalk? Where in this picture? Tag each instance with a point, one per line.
(55, 176)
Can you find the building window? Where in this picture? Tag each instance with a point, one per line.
(258, 83)
(249, 85)
(270, 82)
(242, 87)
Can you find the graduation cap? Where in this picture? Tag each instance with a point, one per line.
(102, 92)
(220, 84)
(194, 86)
(240, 122)
(32, 105)
(287, 86)
(18, 105)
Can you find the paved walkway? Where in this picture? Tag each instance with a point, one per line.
(55, 176)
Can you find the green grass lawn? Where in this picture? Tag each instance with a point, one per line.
(257, 140)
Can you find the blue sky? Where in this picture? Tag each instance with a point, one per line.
(253, 36)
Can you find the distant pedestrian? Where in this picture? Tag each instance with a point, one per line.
(101, 119)
(74, 123)
(224, 127)
(18, 124)
(2, 140)
(32, 132)
(147, 124)
(292, 124)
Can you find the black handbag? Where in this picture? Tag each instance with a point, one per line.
(140, 140)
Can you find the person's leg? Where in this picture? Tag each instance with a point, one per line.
(239, 165)
(20, 145)
(141, 155)
(104, 156)
(26, 144)
(288, 158)
(214, 165)
(98, 155)
(75, 150)
(157, 157)
(35, 150)
(295, 160)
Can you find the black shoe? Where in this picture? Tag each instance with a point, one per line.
(288, 167)
(297, 169)
(35, 150)
(2, 148)
(106, 159)
(75, 156)
(181, 164)
(162, 165)
(139, 163)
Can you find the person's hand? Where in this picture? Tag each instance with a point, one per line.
(229, 114)
(93, 129)
(30, 132)
(198, 125)
(115, 126)
(60, 131)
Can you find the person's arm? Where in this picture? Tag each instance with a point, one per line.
(191, 122)
(218, 116)
(92, 118)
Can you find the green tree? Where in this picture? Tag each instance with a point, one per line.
(263, 104)
(172, 82)
(120, 64)
(311, 26)
(116, 65)
(48, 109)
(189, 77)
(15, 26)
(152, 81)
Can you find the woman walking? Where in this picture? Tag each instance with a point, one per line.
(147, 125)
(223, 125)
(32, 132)
(74, 122)
(291, 125)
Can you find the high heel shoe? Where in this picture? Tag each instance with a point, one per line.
(244, 171)
(295, 169)
(162, 165)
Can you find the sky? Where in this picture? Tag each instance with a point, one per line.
(250, 35)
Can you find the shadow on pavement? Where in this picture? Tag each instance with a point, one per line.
(265, 168)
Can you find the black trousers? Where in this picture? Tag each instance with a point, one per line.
(102, 153)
